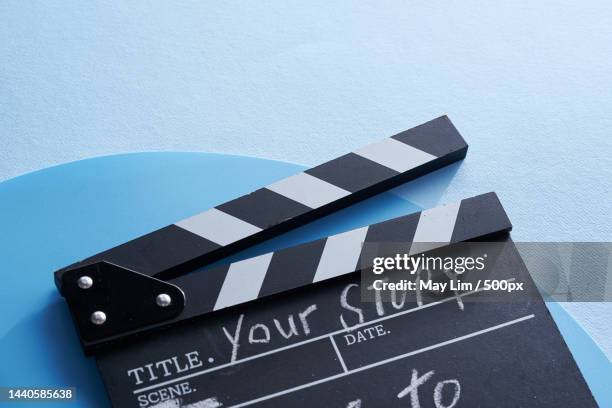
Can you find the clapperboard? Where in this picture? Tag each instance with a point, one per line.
(171, 325)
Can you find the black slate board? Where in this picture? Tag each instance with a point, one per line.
(493, 354)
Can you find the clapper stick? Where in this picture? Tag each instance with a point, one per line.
(269, 274)
(276, 272)
(288, 203)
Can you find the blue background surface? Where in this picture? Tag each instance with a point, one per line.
(60, 215)
(527, 83)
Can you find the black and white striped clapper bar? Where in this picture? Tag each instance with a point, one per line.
(168, 329)
(178, 249)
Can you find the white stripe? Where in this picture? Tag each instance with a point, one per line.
(395, 155)
(218, 227)
(308, 190)
(435, 228)
(243, 281)
(341, 254)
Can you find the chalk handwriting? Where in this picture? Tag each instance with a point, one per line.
(234, 339)
(416, 381)
(345, 305)
(260, 333)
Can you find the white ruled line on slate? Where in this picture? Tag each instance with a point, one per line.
(389, 360)
(323, 336)
(333, 342)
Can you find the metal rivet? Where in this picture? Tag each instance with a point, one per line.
(98, 317)
(85, 282)
(163, 300)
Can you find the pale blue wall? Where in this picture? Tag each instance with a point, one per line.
(528, 83)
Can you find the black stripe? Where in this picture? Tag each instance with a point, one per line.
(400, 229)
(479, 217)
(352, 172)
(201, 289)
(381, 237)
(438, 137)
(263, 208)
(156, 251)
(292, 267)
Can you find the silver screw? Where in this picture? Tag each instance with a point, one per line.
(163, 300)
(85, 282)
(98, 317)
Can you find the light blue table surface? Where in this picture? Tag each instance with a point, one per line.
(62, 214)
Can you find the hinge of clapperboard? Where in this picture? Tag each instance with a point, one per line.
(160, 280)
